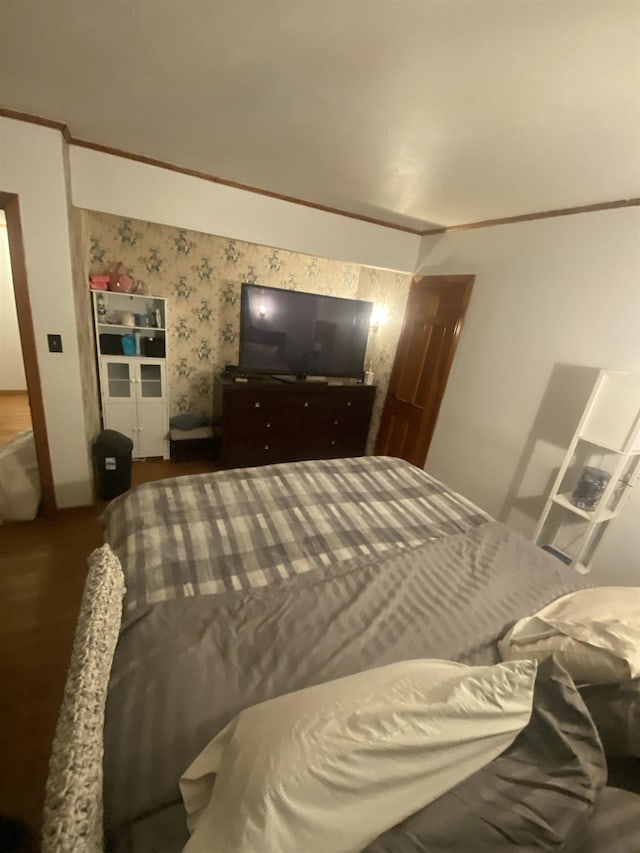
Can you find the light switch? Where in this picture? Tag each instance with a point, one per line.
(55, 343)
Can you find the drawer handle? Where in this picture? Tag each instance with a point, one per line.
(333, 441)
(257, 405)
(348, 402)
(306, 405)
(336, 422)
(268, 425)
(266, 447)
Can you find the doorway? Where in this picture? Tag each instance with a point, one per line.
(15, 414)
(430, 332)
(35, 415)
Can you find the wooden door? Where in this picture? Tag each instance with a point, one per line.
(430, 332)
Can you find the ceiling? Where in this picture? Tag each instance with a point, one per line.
(421, 113)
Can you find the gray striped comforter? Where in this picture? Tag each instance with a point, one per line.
(294, 575)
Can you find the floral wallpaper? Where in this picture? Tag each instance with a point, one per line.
(84, 319)
(201, 274)
(388, 291)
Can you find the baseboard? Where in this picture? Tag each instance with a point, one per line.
(86, 509)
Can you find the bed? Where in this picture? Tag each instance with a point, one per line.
(244, 585)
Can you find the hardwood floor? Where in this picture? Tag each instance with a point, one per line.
(15, 415)
(42, 574)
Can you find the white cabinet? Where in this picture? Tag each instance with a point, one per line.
(607, 440)
(133, 387)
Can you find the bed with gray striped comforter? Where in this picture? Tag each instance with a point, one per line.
(246, 584)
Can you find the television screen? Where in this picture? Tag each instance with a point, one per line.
(295, 333)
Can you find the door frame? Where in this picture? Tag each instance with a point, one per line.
(9, 202)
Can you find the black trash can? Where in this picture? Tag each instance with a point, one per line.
(112, 463)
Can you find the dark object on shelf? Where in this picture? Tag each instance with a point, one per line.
(152, 347)
(112, 463)
(556, 552)
(110, 344)
(590, 488)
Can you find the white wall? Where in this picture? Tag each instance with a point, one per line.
(116, 185)
(32, 165)
(553, 299)
(12, 376)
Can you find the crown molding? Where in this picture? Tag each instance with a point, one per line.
(530, 217)
(183, 170)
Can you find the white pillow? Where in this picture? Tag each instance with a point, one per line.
(594, 634)
(20, 489)
(330, 767)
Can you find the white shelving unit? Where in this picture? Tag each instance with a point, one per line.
(133, 388)
(607, 436)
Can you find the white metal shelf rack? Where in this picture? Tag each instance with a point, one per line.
(609, 430)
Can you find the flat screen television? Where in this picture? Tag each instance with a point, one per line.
(292, 333)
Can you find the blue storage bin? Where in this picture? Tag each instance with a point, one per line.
(128, 345)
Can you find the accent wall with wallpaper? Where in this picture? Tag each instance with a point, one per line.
(201, 274)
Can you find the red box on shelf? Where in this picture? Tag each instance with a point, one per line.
(99, 282)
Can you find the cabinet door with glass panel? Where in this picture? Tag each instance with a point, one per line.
(134, 402)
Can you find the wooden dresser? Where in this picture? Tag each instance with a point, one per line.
(265, 421)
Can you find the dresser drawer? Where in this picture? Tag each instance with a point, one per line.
(242, 405)
(251, 449)
(258, 422)
(348, 409)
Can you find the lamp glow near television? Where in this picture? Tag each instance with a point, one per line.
(293, 333)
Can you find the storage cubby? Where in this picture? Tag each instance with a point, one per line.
(607, 439)
(129, 314)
